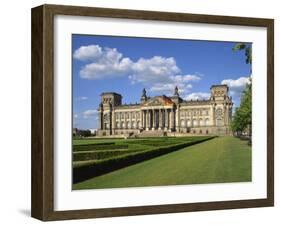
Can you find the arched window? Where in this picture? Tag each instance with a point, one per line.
(138, 124)
(123, 125)
(128, 125)
(134, 124)
(207, 122)
(201, 122)
(118, 125)
(188, 123)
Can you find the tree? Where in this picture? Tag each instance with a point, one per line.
(242, 119)
(248, 51)
(84, 133)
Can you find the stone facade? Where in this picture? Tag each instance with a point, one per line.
(166, 114)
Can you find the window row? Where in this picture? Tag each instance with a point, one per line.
(194, 123)
(126, 115)
(128, 125)
(200, 112)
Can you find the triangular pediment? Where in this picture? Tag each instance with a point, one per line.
(159, 101)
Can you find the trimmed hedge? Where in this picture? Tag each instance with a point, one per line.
(96, 155)
(92, 168)
(160, 142)
(99, 147)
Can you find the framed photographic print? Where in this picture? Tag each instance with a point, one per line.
(141, 112)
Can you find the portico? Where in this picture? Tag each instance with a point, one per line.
(155, 118)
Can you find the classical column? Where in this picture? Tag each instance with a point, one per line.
(141, 120)
(146, 119)
(163, 118)
(172, 119)
(126, 120)
(166, 119)
(110, 122)
(160, 119)
(153, 119)
(177, 119)
(149, 119)
(156, 118)
(113, 122)
(130, 120)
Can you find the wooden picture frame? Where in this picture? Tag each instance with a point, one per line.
(43, 112)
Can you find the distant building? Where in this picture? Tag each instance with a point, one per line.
(154, 115)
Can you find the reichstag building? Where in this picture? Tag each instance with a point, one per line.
(166, 115)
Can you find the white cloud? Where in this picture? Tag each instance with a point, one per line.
(168, 89)
(236, 86)
(90, 52)
(154, 70)
(191, 78)
(103, 62)
(89, 113)
(157, 73)
(198, 96)
(106, 69)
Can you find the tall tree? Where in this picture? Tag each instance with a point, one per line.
(242, 119)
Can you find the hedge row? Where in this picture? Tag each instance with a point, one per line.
(89, 169)
(154, 143)
(163, 142)
(95, 147)
(96, 155)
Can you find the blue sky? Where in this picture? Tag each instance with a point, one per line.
(127, 65)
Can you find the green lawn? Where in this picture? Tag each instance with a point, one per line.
(222, 159)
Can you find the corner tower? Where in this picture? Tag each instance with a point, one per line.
(109, 101)
(219, 92)
(221, 107)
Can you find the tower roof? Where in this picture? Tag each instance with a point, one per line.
(222, 85)
(111, 93)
